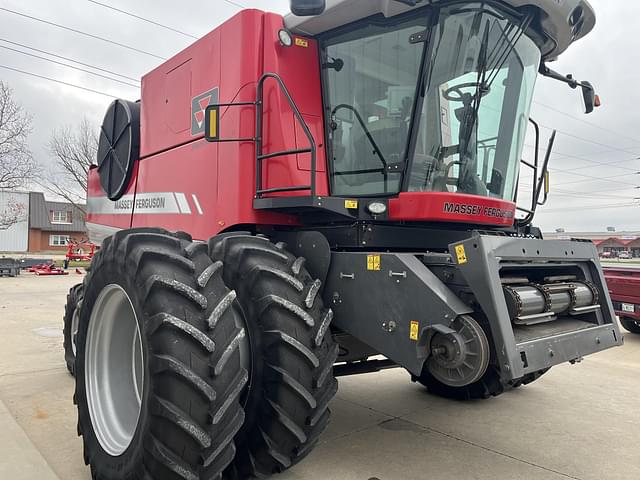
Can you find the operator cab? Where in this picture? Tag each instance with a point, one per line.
(436, 97)
(463, 133)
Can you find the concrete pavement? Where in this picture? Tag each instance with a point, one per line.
(577, 422)
(26, 462)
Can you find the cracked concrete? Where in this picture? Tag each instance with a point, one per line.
(578, 422)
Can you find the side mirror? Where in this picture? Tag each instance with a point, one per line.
(590, 97)
(308, 8)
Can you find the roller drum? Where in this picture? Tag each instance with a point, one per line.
(545, 302)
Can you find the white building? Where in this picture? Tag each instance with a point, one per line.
(16, 237)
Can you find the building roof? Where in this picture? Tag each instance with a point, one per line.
(40, 216)
(623, 236)
(610, 240)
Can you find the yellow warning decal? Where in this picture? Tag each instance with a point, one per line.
(350, 204)
(373, 263)
(301, 42)
(461, 254)
(414, 333)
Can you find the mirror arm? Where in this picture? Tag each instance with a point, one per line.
(568, 79)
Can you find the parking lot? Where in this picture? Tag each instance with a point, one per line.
(577, 422)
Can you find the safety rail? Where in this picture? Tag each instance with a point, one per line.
(540, 177)
(213, 112)
(260, 156)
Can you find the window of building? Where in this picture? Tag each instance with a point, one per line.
(58, 240)
(61, 216)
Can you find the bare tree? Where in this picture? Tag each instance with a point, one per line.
(74, 150)
(13, 214)
(17, 166)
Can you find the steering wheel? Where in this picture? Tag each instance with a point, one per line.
(455, 93)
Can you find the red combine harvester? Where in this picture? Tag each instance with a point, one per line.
(347, 178)
(624, 287)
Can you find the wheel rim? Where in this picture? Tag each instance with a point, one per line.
(75, 322)
(465, 354)
(114, 372)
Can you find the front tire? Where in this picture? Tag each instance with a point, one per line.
(291, 380)
(158, 368)
(630, 325)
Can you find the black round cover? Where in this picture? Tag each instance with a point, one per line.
(119, 147)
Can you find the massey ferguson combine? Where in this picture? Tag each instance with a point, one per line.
(347, 179)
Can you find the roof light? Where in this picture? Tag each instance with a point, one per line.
(286, 40)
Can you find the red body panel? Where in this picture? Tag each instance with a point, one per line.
(104, 212)
(184, 183)
(299, 68)
(451, 207)
(624, 287)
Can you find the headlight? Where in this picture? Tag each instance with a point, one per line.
(377, 208)
(286, 40)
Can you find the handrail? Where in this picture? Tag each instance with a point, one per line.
(259, 131)
(535, 167)
(260, 156)
(538, 180)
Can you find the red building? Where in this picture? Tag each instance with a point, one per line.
(53, 224)
(610, 244)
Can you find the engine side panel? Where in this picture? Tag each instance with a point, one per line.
(184, 183)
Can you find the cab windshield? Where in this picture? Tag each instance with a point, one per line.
(465, 134)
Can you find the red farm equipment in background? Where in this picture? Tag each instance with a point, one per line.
(624, 287)
(293, 198)
(79, 251)
(48, 270)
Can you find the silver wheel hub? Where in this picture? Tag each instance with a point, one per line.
(75, 322)
(460, 358)
(114, 370)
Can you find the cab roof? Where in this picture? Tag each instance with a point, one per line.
(562, 22)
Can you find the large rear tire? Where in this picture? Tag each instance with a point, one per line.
(490, 385)
(291, 380)
(71, 324)
(158, 367)
(630, 325)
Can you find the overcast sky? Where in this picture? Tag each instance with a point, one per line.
(595, 171)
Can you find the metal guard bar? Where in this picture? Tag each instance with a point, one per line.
(538, 180)
(260, 156)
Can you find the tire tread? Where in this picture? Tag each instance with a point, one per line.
(296, 350)
(178, 288)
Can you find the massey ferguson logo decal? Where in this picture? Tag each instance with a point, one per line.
(198, 106)
(465, 209)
